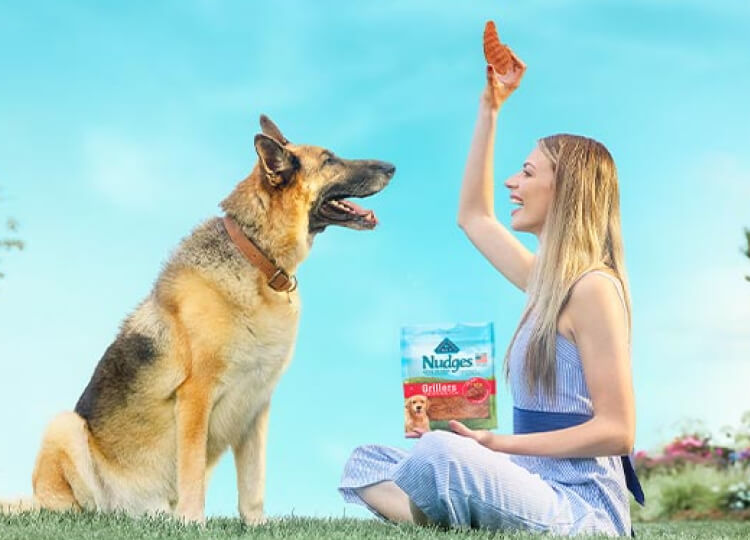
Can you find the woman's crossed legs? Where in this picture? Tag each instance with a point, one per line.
(450, 480)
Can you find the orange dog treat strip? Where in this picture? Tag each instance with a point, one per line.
(496, 54)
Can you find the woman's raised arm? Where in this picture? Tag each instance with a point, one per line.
(476, 208)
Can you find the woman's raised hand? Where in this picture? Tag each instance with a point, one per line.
(501, 85)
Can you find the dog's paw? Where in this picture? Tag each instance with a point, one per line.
(254, 521)
(193, 516)
(254, 516)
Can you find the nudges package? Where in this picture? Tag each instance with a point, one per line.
(449, 374)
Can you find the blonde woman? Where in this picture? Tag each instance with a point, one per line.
(566, 467)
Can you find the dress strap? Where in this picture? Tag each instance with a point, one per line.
(618, 286)
(615, 280)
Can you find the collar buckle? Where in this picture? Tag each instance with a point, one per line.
(280, 281)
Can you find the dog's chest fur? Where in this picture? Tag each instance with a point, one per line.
(259, 352)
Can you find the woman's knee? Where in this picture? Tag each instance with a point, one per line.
(434, 443)
(432, 462)
(437, 447)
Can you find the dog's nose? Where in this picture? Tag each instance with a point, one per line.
(386, 168)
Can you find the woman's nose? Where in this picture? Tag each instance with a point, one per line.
(511, 182)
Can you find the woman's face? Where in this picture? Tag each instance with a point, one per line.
(533, 188)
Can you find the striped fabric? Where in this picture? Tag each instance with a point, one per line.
(457, 482)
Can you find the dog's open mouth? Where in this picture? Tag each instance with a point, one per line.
(360, 179)
(349, 214)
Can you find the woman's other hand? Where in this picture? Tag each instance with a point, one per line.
(415, 433)
(482, 436)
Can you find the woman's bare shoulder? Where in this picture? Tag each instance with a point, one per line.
(594, 289)
(595, 303)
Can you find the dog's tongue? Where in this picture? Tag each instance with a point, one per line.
(369, 215)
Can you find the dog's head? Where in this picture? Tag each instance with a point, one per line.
(310, 185)
(417, 405)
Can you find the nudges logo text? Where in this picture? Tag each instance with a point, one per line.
(446, 347)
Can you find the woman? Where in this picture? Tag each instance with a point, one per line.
(565, 468)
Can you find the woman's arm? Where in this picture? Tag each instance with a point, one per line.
(477, 189)
(600, 327)
(476, 208)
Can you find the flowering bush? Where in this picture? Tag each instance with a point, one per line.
(689, 449)
(694, 474)
(700, 449)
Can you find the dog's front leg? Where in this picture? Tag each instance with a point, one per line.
(250, 461)
(192, 435)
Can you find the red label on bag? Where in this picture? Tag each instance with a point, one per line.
(475, 389)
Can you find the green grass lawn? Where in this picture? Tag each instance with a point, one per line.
(108, 526)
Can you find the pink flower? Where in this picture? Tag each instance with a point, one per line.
(692, 441)
(641, 454)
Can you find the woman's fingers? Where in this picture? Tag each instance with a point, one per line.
(519, 68)
(461, 429)
(482, 436)
(517, 60)
(491, 76)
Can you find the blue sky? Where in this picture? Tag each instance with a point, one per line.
(123, 126)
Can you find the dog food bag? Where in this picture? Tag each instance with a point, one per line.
(448, 374)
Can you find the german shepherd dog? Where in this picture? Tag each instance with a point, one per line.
(192, 369)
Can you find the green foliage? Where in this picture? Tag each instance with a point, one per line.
(698, 489)
(12, 242)
(680, 496)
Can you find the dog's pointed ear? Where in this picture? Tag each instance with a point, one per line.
(270, 129)
(277, 163)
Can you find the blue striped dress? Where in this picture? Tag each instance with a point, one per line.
(457, 482)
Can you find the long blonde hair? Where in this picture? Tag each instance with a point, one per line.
(582, 232)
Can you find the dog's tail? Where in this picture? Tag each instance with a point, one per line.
(17, 506)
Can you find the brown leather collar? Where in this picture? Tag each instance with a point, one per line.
(277, 278)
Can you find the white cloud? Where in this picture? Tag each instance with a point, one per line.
(123, 171)
(155, 173)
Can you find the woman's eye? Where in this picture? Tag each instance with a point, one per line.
(526, 173)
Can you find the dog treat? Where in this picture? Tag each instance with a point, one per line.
(448, 374)
(495, 52)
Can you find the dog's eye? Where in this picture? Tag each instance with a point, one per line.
(330, 159)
